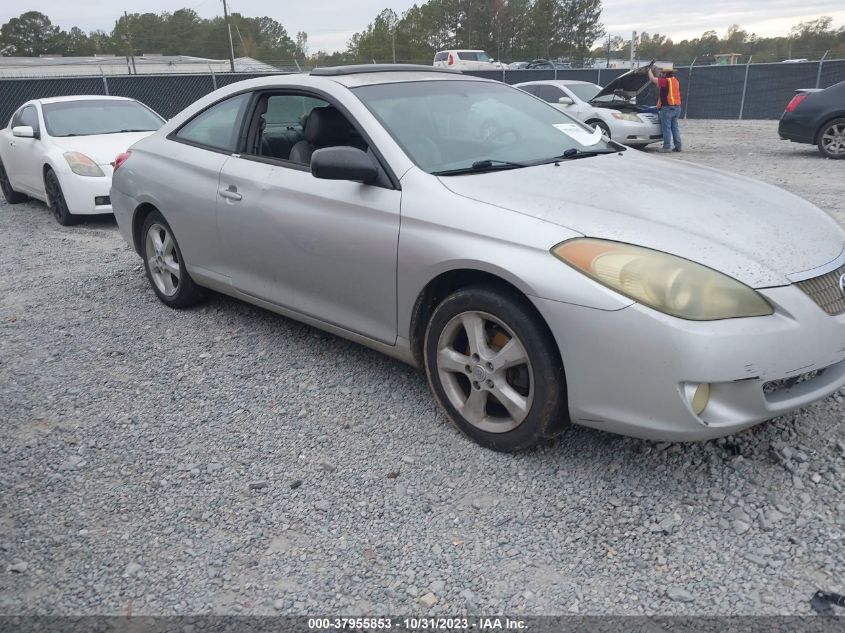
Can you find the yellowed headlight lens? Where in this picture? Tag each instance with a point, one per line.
(82, 165)
(667, 283)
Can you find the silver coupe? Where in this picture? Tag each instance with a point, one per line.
(539, 273)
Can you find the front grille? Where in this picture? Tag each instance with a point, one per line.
(774, 386)
(828, 291)
(653, 118)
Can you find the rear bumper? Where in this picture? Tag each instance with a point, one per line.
(794, 129)
(124, 210)
(633, 371)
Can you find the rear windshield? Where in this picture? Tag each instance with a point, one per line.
(95, 116)
(473, 56)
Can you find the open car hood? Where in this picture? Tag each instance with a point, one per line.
(628, 85)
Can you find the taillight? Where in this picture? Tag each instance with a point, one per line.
(451, 59)
(796, 100)
(121, 158)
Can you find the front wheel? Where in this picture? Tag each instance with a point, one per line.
(56, 200)
(494, 369)
(600, 125)
(12, 196)
(832, 139)
(165, 266)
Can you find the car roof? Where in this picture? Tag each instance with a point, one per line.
(81, 98)
(370, 74)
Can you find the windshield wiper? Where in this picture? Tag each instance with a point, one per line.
(481, 166)
(573, 153)
(127, 131)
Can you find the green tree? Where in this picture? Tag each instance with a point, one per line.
(29, 35)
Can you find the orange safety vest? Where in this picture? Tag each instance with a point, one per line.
(673, 93)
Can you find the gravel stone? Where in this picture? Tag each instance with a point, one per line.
(679, 594)
(18, 567)
(112, 423)
(428, 600)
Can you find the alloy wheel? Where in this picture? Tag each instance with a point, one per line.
(833, 139)
(162, 259)
(485, 372)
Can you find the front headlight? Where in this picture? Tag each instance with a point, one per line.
(626, 117)
(80, 164)
(667, 283)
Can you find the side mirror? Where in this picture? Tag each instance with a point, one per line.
(343, 163)
(24, 131)
(565, 101)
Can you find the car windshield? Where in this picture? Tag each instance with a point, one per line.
(94, 116)
(455, 124)
(473, 56)
(585, 92)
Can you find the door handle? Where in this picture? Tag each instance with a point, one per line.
(230, 194)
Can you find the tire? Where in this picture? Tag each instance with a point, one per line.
(56, 200)
(602, 126)
(458, 367)
(831, 139)
(12, 196)
(165, 266)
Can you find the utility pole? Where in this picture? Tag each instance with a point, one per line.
(633, 46)
(229, 29)
(129, 43)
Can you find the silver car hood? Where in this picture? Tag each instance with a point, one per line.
(752, 231)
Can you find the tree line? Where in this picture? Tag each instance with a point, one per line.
(509, 30)
(181, 32)
(808, 40)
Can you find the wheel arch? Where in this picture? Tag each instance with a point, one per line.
(444, 284)
(827, 120)
(139, 216)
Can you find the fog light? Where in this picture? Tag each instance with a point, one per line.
(700, 398)
(102, 200)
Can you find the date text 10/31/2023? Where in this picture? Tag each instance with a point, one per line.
(495, 623)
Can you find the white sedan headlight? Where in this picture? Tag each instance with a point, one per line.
(82, 165)
(626, 117)
(667, 283)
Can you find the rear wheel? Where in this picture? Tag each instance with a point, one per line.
(832, 139)
(164, 265)
(494, 369)
(56, 200)
(12, 196)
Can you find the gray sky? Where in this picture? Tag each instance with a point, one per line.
(329, 23)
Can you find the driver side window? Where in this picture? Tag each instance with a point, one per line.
(548, 93)
(29, 116)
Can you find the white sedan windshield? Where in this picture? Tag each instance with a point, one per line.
(454, 124)
(94, 116)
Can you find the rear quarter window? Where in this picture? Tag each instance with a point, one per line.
(441, 57)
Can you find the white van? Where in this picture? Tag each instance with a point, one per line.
(466, 60)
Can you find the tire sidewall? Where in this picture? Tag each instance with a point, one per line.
(548, 414)
(185, 293)
(64, 217)
(824, 129)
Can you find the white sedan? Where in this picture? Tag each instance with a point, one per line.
(612, 109)
(61, 150)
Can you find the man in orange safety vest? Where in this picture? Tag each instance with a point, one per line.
(669, 105)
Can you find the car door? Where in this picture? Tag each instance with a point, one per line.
(323, 248)
(187, 175)
(27, 154)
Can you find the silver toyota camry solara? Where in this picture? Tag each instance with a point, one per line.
(539, 273)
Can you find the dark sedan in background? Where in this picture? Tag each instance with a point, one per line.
(817, 117)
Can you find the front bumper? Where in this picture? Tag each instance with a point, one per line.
(629, 371)
(630, 133)
(82, 192)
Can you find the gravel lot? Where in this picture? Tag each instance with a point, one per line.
(227, 460)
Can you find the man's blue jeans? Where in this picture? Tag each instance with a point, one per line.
(669, 116)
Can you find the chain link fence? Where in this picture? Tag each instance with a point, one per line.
(752, 91)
